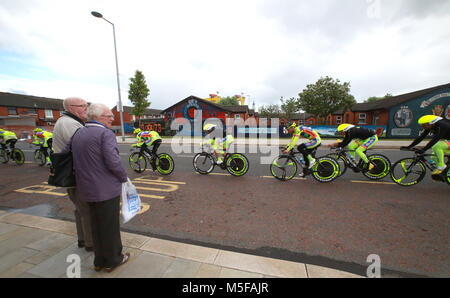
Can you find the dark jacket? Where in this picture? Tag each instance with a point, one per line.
(440, 131)
(98, 168)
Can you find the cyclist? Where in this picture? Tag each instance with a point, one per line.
(219, 146)
(304, 148)
(7, 138)
(148, 138)
(440, 143)
(363, 139)
(44, 139)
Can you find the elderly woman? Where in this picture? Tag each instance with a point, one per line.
(99, 174)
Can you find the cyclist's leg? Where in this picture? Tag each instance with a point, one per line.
(440, 149)
(156, 145)
(352, 148)
(366, 144)
(310, 160)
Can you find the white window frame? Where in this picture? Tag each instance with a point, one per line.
(48, 114)
(338, 119)
(362, 120)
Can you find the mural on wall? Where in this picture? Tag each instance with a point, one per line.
(403, 119)
(447, 112)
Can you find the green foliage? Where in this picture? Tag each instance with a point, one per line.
(229, 101)
(271, 111)
(289, 107)
(325, 97)
(374, 98)
(138, 93)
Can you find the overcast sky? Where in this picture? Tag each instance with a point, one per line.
(263, 49)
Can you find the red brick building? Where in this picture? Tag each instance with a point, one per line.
(23, 113)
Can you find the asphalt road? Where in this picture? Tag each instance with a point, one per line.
(337, 224)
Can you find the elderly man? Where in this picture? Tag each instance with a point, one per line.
(99, 174)
(72, 119)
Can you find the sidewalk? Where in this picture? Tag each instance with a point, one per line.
(381, 144)
(33, 246)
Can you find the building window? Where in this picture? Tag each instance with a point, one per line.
(376, 117)
(49, 114)
(237, 117)
(12, 111)
(338, 119)
(32, 111)
(362, 118)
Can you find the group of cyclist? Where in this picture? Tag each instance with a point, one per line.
(40, 138)
(358, 139)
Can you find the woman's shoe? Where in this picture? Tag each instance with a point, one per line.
(125, 258)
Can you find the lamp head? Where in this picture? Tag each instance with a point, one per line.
(96, 14)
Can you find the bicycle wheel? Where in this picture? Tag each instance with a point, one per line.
(203, 163)
(237, 164)
(18, 156)
(382, 167)
(39, 157)
(447, 175)
(165, 164)
(341, 162)
(3, 156)
(283, 168)
(408, 172)
(138, 162)
(326, 169)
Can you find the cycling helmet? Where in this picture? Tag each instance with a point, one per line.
(137, 131)
(291, 124)
(344, 127)
(429, 119)
(38, 129)
(209, 128)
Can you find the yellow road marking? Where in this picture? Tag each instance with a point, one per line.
(159, 179)
(42, 189)
(372, 182)
(151, 196)
(295, 178)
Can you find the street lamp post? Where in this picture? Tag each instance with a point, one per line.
(99, 15)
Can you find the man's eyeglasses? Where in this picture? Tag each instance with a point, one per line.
(80, 106)
(108, 116)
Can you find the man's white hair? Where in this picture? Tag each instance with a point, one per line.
(96, 110)
(70, 101)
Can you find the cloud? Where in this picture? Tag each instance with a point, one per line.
(262, 48)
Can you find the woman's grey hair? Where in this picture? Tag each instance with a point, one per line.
(96, 110)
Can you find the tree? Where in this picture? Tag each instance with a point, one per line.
(374, 98)
(229, 101)
(271, 111)
(138, 93)
(289, 107)
(325, 97)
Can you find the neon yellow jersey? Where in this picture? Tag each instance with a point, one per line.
(147, 137)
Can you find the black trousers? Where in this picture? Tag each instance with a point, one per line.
(106, 232)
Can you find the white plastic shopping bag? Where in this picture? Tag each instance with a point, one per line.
(131, 203)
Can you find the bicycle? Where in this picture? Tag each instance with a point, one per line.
(284, 167)
(235, 163)
(382, 164)
(39, 155)
(163, 162)
(411, 170)
(15, 154)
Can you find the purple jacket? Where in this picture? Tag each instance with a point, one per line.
(98, 168)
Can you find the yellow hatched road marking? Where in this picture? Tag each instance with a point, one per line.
(151, 196)
(42, 189)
